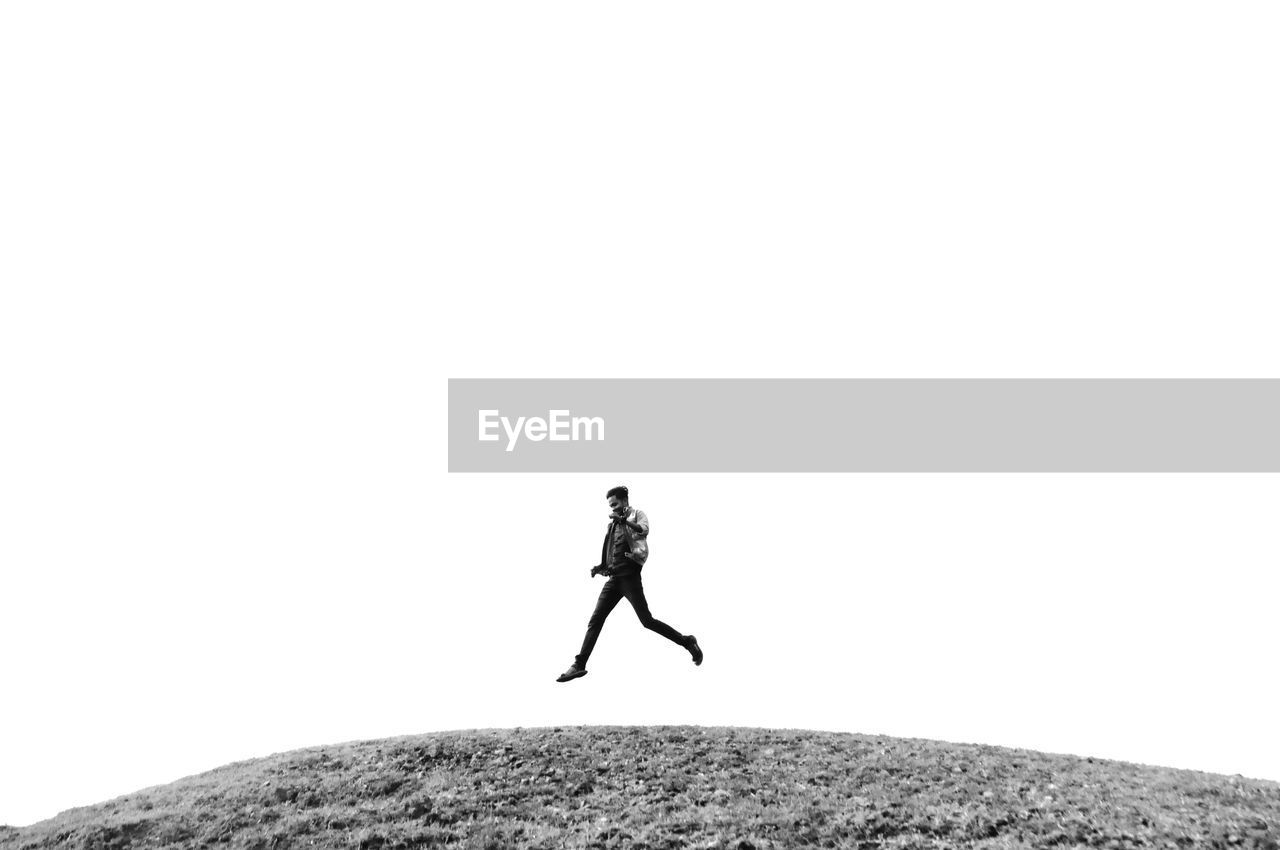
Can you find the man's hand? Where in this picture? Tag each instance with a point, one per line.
(599, 570)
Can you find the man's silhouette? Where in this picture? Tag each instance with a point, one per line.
(626, 548)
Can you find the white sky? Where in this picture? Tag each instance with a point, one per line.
(246, 245)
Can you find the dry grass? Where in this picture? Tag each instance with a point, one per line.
(674, 787)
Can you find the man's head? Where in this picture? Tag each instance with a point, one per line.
(617, 499)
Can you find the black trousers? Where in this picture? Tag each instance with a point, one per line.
(614, 589)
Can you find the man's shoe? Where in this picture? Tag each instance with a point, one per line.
(573, 672)
(691, 644)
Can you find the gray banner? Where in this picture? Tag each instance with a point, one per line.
(817, 425)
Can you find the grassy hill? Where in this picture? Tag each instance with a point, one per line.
(674, 787)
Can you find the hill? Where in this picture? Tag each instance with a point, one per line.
(673, 787)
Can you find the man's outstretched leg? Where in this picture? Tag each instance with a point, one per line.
(633, 589)
(609, 596)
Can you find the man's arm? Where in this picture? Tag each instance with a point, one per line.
(604, 557)
(640, 527)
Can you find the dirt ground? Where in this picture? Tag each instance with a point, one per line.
(674, 787)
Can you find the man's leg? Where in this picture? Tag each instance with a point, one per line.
(633, 589)
(609, 596)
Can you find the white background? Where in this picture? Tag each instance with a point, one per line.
(245, 245)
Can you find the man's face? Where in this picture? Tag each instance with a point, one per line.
(616, 504)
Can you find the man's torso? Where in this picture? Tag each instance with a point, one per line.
(619, 545)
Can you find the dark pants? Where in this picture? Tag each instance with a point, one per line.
(614, 589)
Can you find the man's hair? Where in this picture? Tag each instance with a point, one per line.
(620, 491)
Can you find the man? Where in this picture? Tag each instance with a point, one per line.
(626, 548)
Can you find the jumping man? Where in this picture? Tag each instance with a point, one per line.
(626, 548)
